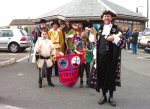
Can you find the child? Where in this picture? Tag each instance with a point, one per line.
(86, 46)
(45, 48)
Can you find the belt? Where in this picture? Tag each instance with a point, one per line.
(56, 42)
(41, 57)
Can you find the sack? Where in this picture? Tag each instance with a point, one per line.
(40, 63)
(49, 62)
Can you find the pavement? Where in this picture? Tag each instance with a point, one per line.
(7, 61)
(19, 87)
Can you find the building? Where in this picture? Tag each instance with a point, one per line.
(26, 24)
(88, 12)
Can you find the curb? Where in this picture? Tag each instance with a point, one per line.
(8, 62)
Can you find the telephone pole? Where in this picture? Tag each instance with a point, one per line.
(147, 12)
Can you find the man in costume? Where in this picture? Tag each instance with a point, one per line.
(56, 36)
(108, 58)
(69, 33)
(38, 30)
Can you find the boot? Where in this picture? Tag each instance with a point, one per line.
(87, 85)
(40, 85)
(51, 84)
(81, 83)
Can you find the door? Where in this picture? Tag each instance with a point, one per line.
(5, 37)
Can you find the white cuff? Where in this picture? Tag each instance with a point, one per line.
(70, 36)
(116, 39)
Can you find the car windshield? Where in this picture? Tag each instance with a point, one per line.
(24, 33)
(140, 34)
(147, 33)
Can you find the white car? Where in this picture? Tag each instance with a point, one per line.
(145, 38)
(14, 40)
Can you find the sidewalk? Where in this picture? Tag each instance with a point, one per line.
(6, 61)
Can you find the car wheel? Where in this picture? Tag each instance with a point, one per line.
(14, 47)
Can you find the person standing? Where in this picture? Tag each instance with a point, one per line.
(85, 47)
(68, 33)
(56, 36)
(129, 35)
(134, 41)
(38, 30)
(45, 48)
(108, 58)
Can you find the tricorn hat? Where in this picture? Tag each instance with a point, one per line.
(106, 12)
(42, 21)
(55, 22)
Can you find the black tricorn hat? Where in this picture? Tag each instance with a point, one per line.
(106, 12)
(55, 22)
(42, 21)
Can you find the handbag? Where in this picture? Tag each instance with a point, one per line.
(121, 43)
(93, 77)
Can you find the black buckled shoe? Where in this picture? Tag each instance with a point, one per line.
(112, 101)
(51, 84)
(102, 100)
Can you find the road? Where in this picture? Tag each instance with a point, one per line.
(19, 87)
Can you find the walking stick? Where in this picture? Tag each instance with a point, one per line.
(30, 51)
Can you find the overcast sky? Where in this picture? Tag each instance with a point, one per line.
(23, 9)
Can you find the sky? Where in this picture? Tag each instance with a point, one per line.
(24, 9)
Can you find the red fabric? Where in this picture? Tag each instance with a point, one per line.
(83, 56)
(68, 68)
(69, 78)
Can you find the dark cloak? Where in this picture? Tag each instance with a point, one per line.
(108, 62)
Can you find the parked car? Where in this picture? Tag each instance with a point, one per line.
(144, 39)
(14, 40)
(147, 49)
(139, 37)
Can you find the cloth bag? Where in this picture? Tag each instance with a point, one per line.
(40, 63)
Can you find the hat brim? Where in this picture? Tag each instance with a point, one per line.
(108, 13)
(42, 21)
(55, 23)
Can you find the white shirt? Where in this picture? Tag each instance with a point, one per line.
(46, 47)
(92, 37)
(106, 29)
(106, 32)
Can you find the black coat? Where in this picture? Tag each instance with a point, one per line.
(108, 62)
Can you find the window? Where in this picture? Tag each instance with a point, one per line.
(24, 33)
(116, 21)
(6, 33)
(130, 22)
(121, 21)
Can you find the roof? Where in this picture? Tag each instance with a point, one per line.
(89, 9)
(22, 22)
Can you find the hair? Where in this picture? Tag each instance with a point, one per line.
(84, 34)
(44, 30)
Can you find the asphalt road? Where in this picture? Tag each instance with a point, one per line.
(19, 87)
